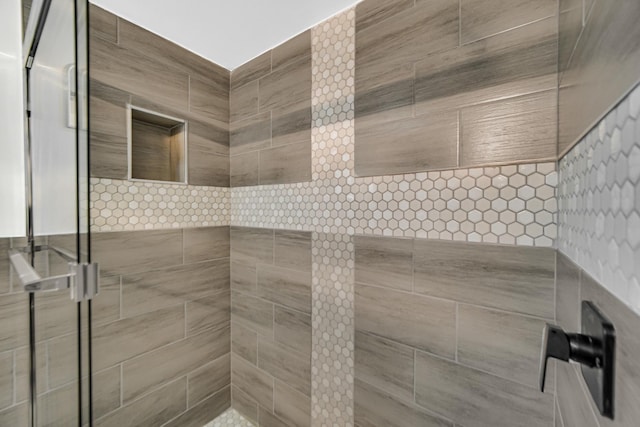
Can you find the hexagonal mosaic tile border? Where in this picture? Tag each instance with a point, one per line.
(230, 418)
(599, 202)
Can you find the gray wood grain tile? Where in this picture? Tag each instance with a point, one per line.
(118, 341)
(244, 342)
(482, 19)
(293, 329)
(243, 102)
(254, 382)
(251, 245)
(6, 379)
(209, 137)
(205, 411)
(511, 130)
(292, 124)
(106, 391)
(245, 169)
(569, 29)
(292, 249)
(209, 379)
(557, 421)
(371, 12)
(384, 262)
(22, 370)
(375, 408)
(413, 320)
(244, 278)
(103, 24)
(510, 64)
(55, 317)
(292, 50)
(253, 133)
(210, 101)
(106, 306)
(156, 408)
(287, 365)
(385, 365)
(471, 397)
(626, 323)
(518, 279)
(253, 313)
(267, 419)
(567, 293)
(380, 91)
(503, 344)
(292, 407)
(286, 164)
(290, 84)
(206, 168)
(132, 251)
(573, 400)
(244, 404)
(5, 268)
(206, 243)
(147, 372)
(144, 292)
(14, 321)
(17, 415)
(414, 144)
(54, 406)
(251, 70)
(290, 288)
(209, 312)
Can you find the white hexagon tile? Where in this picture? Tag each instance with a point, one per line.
(599, 202)
(230, 418)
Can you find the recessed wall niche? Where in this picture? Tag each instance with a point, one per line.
(157, 146)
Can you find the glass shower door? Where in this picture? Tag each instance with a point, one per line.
(52, 276)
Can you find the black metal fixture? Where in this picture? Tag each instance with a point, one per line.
(593, 349)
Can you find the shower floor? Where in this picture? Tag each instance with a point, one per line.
(230, 418)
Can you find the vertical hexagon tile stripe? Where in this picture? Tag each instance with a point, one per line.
(599, 201)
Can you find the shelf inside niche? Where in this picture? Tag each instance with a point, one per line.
(157, 146)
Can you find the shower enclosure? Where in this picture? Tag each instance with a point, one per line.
(47, 307)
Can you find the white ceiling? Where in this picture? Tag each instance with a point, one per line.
(229, 32)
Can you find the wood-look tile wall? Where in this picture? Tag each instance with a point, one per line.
(599, 59)
(271, 116)
(161, 333)
(271, 325)
(447, 83)
(449, 333)
(575, 406)
(131, 65)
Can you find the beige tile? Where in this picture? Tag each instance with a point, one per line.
(292, 50)
(131, 251)
(482, 19)
(209, 379)
(253, 313)
(500, 343)
(514, 63)
(567, 293)
(17, 415)
(252, 70)
(414, 144)
(245, 169)
(288, 85)
(244, 404)
(471, 397)
(251, 245)
(512, 278)
(205, 411)
(375, 408)
(103, 24)
(106, 391)
(292, 249)
(292, 124)
(143, 292)
(293, 329)
(61, 357)
(385, 365)
(59, 407)
(515, 129)
(286, 164)
(244, 278)
(151, 370)
(243, 101)
(244, 342)
(371, 12)
(573, 399)
(417, 321)
(253, 133)
(127, 338)
(384, 262)
(285, 364)
(209, 312)
(56, 315)
(22, 370)
(290, 288)
(6, 379)
(292, 407)
(254, 382)
(209, 100)
(106, 305)
(154, 409)
(206, 243)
